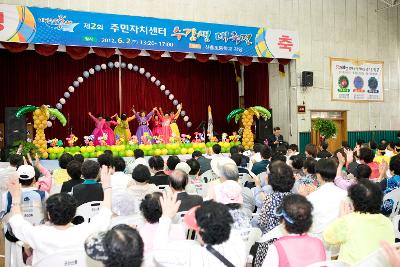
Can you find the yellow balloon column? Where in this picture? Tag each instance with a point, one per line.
(40, 117)
(246, 117)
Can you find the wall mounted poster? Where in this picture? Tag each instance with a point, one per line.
(356, 80)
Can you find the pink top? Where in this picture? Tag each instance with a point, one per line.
(45, 182)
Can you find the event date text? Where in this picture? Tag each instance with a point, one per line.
(136, 42)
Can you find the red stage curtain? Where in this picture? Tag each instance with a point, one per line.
(155, 54)
(195, 84)
(33, 79)
(15, 47)
(282, 63)
(177, 56)
(256, 85)
(129, 53)
(246, 61)
(202, 57)
(46, 50)
(77, 52)
(265, 60)
(104, 52)
(224, 58)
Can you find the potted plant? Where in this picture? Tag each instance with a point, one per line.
(326, 128)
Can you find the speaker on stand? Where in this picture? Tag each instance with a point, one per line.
(15, 128)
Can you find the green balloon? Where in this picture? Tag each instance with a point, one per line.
(93, 154)
(171, 151)
(122, 154)
(115, 153)
(86, 155)
(177, 151)
(161, 146)
(150, 152)
(53, 156)
(209, 144)
(203, 150)
(67, 149)
(156, 146)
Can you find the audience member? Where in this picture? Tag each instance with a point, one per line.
(105, 159)
(156, 164)
(90, 190)
(216, 151)
(237, 158)
(183, 166)
(366, 156)
(296, 247)
(61, 175)
(205, 163)
(261, 166)
(141, 186)
(212, 223)
(297, 163)
(172, 161)
(138, 155)
(196, 183)
(178, 181)
(74, 171)
(293, 150)
(276, 139)
(16, 160)
(119, 179)
(245, 159)
(361, 227)
(362, 171)
(125, 209)
(324, 153)
(281, 180)
(311, 151)
(60, 234)
(120, 246)
(326, 199)
(152, 211)
(78, 157)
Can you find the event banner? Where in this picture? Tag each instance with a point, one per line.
(356, 80)
(75, 28)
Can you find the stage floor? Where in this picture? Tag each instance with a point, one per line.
(53, 164)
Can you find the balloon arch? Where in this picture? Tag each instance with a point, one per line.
(92, 71)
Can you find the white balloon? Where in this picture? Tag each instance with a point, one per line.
(97, 67)
(86, 74)
(110, 65)
(58, 106)
(80, 79)
(62, 101)
(158, 83)
(166, 92)
(171, 97)
(116, 64)
(183, 113)
(175, 102)
(135, 68)
(148, 74)
(75, 84)
(71, 89)
(103, 66)
(189, 124)
(153, 79)
(130, 66)
(52, 118)
(186, 118)
(91, 71)
(141, 70)
(178, 106)
(49, 124)
(162, 87)
(123, 65)
(66, 95)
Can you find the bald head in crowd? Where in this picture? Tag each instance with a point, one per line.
(229, 172)
(178, 180)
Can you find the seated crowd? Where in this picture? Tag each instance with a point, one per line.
(270, 207)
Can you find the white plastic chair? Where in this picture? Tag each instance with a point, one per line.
(88, 210)
(390, 198)
(209, 176)
(396, 224)
(333, 263)
(376, 259)
(70, 258)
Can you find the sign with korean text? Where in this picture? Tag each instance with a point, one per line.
(356, 80)
(67, 27)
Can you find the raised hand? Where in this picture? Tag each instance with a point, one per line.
(14, 187)
(342, 160)
(169, 204)
(90, 113)
(105, 176)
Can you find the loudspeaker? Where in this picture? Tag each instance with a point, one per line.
(307, 78)
(15, 128)
(263, 129)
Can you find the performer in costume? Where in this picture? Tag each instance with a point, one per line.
(165, 125)
(110, 133)
(98, 131)
(157, 128)
(143, 121)
(122, 130)
(174, 126)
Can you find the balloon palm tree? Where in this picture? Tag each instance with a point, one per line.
(40, 116)
(246, 116)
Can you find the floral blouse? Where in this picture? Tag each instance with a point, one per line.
(267, 219)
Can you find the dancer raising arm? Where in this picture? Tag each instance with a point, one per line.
(143, 121)
(174, 126)
(165, 125)
(98, 131)
(122, 131)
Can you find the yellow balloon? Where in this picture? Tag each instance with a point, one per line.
(37, 112)
(45, 155)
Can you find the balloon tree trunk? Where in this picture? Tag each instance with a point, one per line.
(248, 137)
(40, 117)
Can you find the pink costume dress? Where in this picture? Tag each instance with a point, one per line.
(157, 128)
(98, 131)
(110, 133)
(165, 127)
(143, 126)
